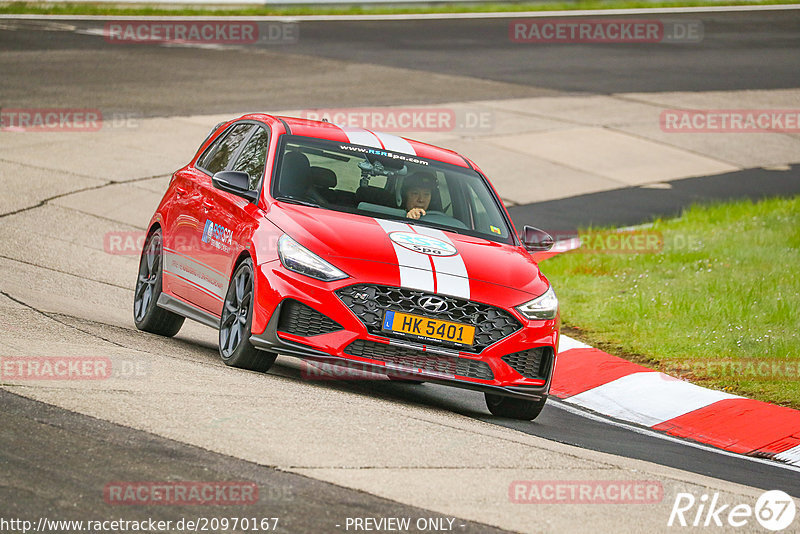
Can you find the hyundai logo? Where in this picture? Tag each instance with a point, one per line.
(433, 304)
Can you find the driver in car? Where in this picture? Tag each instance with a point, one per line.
(417, 192)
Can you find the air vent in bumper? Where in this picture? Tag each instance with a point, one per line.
(450, 365)
(531, 363)
(301, 320)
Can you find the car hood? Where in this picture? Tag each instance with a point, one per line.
(345, 239)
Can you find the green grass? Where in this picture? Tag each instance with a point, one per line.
(724, 288)
(43, 8)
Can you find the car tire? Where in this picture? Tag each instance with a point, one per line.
(235, 348)
(513, 408)
(147, 316)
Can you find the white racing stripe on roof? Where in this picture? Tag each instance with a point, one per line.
(451, 271)
(647, 398)
(360, 136)
(415, 268)
(393, 142)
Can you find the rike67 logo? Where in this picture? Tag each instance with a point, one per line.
(774, 510)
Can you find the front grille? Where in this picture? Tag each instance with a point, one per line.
(369, 302)
(301, 320)
(531, 363)
(450, 365)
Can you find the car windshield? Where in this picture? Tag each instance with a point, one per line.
(389, 185)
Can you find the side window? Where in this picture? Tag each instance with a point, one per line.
(487, 218)
(253, 157)
(219, 153)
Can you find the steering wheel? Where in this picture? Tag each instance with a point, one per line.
(440, 217)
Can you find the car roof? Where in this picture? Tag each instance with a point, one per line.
(362, 136)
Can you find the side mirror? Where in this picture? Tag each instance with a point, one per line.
(235, 182)
(535, 240)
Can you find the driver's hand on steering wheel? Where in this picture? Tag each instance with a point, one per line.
(415, 213)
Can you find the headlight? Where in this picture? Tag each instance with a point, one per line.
(299, 259)
(541, 308)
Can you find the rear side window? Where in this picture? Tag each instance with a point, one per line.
(218, 155)
(253, 157)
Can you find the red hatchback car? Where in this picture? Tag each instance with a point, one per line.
(352, 247)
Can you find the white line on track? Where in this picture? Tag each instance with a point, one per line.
(433, 16)
(561, 405)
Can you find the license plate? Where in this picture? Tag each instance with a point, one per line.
(405, 323)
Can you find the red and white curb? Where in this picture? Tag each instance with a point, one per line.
(608, 385)
(592, 379)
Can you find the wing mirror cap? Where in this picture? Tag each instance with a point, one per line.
(235, 182)
(536, 240)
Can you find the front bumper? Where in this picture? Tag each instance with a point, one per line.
(354, 345)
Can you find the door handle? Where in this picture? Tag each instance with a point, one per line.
(180, 190)
(208, 205)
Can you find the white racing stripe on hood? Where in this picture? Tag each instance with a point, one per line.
(451, 271)
(415, 268)
(360, 136)
(398, 144)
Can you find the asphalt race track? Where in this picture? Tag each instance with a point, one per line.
(146, 457)
(322, 452)
(426, 62)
